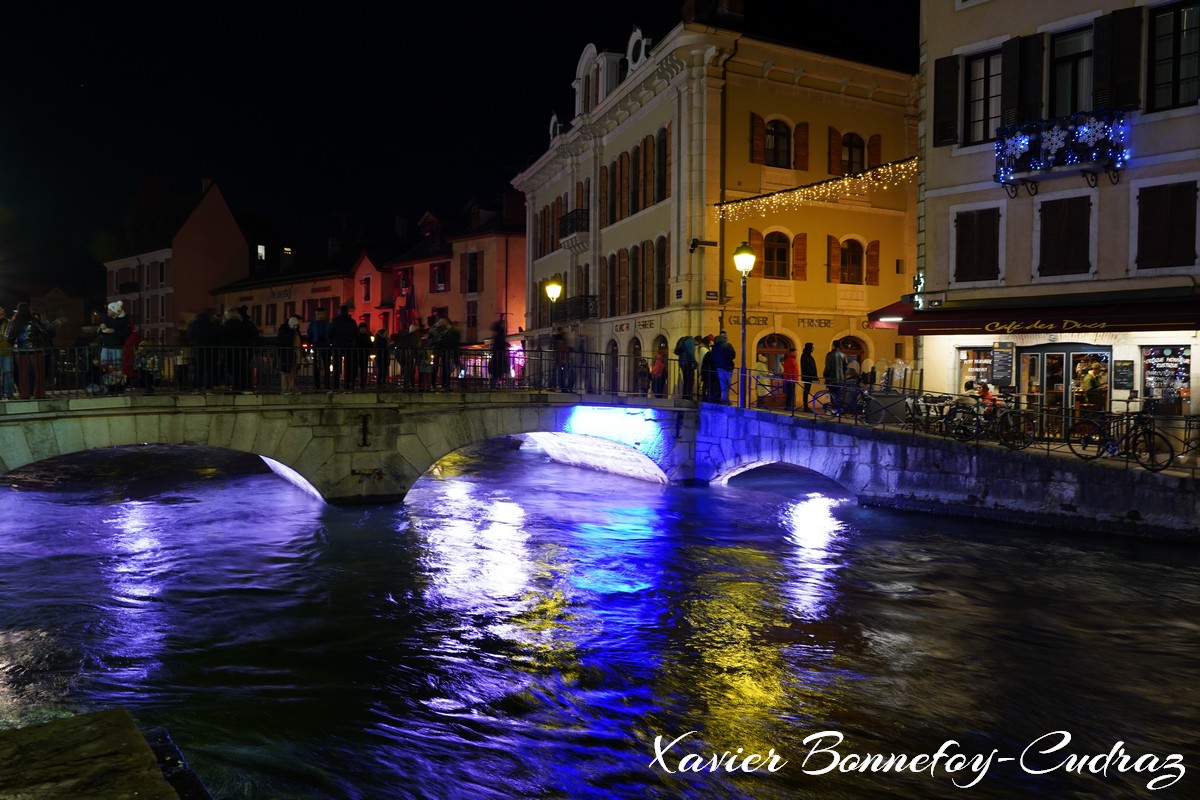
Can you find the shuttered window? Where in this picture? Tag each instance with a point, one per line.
(1167, 226)
(977, 245)
(775, 255)
(1064, 240)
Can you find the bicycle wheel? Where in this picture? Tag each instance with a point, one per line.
(1016, 429)
(1087, 439)
(962, 423)
(1153, 450)
(823, 402)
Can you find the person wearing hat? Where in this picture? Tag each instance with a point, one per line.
(114, 330)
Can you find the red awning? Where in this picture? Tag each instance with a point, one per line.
(1166, 315)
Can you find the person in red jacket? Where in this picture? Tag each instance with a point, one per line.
(791, 374)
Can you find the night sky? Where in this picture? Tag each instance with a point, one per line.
(365, 109)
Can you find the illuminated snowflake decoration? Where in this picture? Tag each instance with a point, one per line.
(1018, 145)
(1091, 132)
(1054, 140)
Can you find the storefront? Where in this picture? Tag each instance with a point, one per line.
(1140, 350)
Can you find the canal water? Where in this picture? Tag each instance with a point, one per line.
(522, 629)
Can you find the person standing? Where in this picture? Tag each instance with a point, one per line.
(383, 358)
(808, 372)
(30, 339)
(362, 355)
(288, 343)
(687, 365)
(658, 372)
(406, 356)
(343, 336)
(6, 357)
(835, 365)
(114, 331)
(725, 356)
(498, 364)
(791, 374)
(204, 334)
(321, 348)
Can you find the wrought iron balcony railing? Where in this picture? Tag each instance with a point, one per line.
(1090, 141)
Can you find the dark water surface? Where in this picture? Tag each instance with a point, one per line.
(524, 629)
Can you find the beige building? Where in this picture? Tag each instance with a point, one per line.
(169, 254)
(1060, 147)
(681, 150)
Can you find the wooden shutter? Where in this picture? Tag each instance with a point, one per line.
(603, 198)
(833, 257)
(479, 271)
(945, 101)
(602, 289)
(1116, 53)
(648, 173)
(874, 151)
(1167, 226)
(835, 151)
(758, 140)
(464, 268)
(666, 155)
(871, 278)
(800, 146)
(1021, 79)
(623, 282)
(623, 186)
(800, 257)
(755, 241)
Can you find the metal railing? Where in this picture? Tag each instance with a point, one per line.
(75, 372)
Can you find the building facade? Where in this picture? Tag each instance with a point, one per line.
(682, 150)
(170, 255)
(1060, 148)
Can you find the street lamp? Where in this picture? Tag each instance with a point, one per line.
(553, 290)
(743, 259)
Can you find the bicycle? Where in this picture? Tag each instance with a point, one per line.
(1089, 439)
(839, 402)
(1012, 427)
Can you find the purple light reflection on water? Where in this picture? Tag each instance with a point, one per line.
(522, 629)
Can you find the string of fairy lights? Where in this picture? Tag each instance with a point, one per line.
(882, 177)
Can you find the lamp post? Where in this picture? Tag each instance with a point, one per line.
(743, 259)
(553, 290)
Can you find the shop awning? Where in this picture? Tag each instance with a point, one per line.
(1164, 315)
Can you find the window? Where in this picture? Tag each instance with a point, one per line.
(365, 282)
(778, 152)
(982, 101)
(472, 321)
(472, 270)
(271, 318)
(1174, 69)
(1064, 239)
(262, 252)
(635, 281)
(439, 277)
(1071, 73)
(977, 245)
(775, 255)
(660, 166)
(852, 262)
(1166, 225)
(853, 154)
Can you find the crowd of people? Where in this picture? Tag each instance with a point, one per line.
(228, 353)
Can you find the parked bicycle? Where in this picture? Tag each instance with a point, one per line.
(1004, 421)
(1131, 434)
(849, 400)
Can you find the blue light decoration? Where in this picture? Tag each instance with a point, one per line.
(1091, 140)
(636, 427)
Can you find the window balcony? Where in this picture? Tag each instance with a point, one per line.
(1089, 143)
(573, 231)
(572, 309)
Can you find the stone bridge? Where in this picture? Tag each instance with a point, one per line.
(368, 447)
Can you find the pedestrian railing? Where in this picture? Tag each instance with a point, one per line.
(81, 371)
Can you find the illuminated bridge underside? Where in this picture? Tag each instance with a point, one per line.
(373, 448)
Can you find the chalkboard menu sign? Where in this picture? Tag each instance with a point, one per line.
(1002, 363)
(1122, 374)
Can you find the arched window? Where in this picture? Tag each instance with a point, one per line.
(853, 154)
(779, 141)
(660, 273)
(660, 166)
(775, 255)
(852, 262)
(610, 302)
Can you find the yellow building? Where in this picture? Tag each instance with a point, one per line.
(681, 150)
(1061, 159)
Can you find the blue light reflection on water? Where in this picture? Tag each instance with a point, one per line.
(521, 629)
